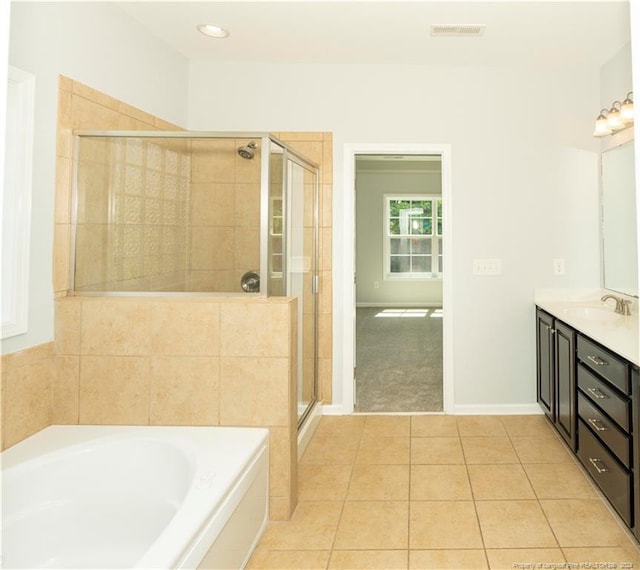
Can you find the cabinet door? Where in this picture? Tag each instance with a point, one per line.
(565, 370)
(635, 414)
(545, 362)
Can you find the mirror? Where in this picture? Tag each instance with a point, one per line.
(618, 220)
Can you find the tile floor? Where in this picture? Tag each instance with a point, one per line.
(443, 492)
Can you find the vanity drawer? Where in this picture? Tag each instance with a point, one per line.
(605, 363)
(612, 478)
(616, 440)
(606, 398)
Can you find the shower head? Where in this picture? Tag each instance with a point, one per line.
(247, 151)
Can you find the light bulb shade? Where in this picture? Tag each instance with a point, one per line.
(614, 120)
(602, 127)
(626, 111)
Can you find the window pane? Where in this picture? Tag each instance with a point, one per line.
(421, 264)
(399, 264)
(419, 245)
(440, 226)
(424, 205)
(394, 226)
(440, 258)
(399, 245)
(421, 226)
(396, 205)
(439, 208)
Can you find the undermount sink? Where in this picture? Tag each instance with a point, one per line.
(596, 314)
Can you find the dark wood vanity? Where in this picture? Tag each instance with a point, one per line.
(591, 395)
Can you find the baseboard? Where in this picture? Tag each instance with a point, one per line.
(400, 305)
(498, 409)
(333, 410)
(461, 410)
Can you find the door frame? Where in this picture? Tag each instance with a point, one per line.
(351, 150)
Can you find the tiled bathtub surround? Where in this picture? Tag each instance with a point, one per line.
(26, 393)
(150, 361)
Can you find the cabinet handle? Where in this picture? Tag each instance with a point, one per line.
(597, 393)
(594, 422)
(597, 360)
(595, 462)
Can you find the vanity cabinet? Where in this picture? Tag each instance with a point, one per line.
(556, 372)
(605, 423)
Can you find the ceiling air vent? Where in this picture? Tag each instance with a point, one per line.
(460, 31)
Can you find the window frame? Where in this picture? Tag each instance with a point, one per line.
(436, 238)
(15, 202)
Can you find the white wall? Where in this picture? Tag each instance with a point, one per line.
(371, 186)
(524, 182)
(96, 44)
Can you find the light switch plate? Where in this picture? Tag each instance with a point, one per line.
(487, 266)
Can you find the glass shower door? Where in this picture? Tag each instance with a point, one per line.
(301, 270)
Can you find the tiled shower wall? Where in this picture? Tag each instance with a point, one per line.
(185, 361)
(133, 214)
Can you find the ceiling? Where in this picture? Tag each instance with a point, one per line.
(539, 33)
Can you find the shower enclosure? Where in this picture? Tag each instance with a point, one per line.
(191, 213)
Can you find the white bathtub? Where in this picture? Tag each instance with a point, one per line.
(134, 497)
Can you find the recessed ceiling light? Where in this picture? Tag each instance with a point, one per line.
(212, 31)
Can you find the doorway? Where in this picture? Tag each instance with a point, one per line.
(399, 238)
(350, 365)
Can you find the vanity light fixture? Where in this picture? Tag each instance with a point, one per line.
(618, 117)
(213, 31)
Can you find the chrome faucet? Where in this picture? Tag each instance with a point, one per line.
(622, 305)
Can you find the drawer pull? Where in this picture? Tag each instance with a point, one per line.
(597, 424)
(597, 360)
(595, 462)
(597, 393)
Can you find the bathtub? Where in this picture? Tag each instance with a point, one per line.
(134, 497)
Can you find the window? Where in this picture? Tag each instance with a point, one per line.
(16, 202)
(413, 236)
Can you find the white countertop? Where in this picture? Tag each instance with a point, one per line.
(621, 336)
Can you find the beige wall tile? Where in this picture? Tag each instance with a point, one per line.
(212, 204)
(27, 356)
(114, 390)
(64, 137)
(185, 328)
(240, 334)
(213, 161)
(279, 462)
(247, 205)
(65, 386)
(280, 508)
(116, 327)
(62, 213)
(131, 111)
(325, 335)
(254, 391)
(325, 380)
(94, 96)
(184, 391)
(326, 209)
(86, 114)
(26, 400)
(61, 253)
(67, 326)
(203, 256)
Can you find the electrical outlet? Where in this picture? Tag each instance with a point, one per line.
(487, 266)
(558, 266)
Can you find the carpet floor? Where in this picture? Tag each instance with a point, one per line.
(398, 360)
